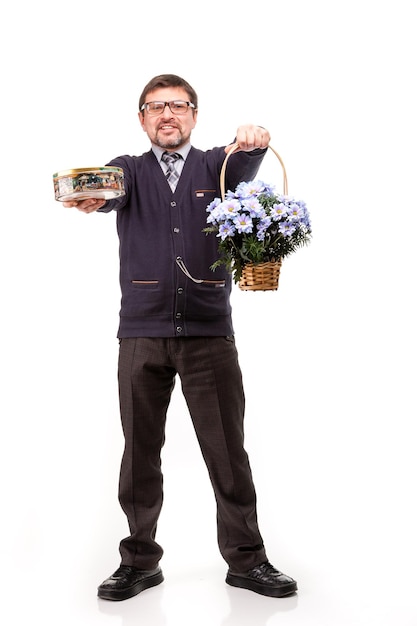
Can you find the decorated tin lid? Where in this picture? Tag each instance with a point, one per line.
(106, 169)
(89, 182)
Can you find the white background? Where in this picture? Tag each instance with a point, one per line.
(328, 360)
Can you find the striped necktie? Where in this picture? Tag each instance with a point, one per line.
(172, 175)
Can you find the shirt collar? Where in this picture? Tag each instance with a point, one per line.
(183, 151)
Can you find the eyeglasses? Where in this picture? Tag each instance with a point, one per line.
(178, 107)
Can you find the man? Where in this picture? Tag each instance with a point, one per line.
(175, 319)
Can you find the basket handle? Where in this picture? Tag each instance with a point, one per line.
(234, 147)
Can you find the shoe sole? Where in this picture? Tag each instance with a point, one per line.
(282, 591)
(124, 594)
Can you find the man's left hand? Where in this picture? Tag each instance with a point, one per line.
(250, 137)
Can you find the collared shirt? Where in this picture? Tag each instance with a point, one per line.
(183, 151)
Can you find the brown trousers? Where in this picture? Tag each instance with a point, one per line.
(212, 386)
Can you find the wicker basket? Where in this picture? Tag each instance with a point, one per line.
(260, 276)
(257, 276)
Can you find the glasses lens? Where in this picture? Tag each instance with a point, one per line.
(178, 107)
(155, 108)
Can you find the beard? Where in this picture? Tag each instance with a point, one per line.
(172, 142)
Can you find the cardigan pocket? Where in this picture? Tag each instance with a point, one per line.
(145, 283)
(206, 194)
(210, 298)
(214, 283)
(144, 297)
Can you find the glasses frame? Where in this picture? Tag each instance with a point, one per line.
(144, 107)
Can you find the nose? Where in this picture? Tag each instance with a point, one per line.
(164, 112)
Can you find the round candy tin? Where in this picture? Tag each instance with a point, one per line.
(94, 182)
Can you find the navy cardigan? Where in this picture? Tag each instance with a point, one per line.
(162, 246)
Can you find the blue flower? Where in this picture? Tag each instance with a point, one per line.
(226, 230)
(270, 190)
(278, 211)
(229, 208)
(243, 223)
(253, 188)
(254, 207)
(213, 204)
(295, 212)
(287, 229)
(213, 210)
(263, 226)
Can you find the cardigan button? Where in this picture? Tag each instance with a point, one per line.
(173, 204)
(180, 290)
(179, 329)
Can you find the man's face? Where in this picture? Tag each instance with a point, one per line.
(168, 130)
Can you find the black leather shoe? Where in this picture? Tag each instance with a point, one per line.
(128, 581)
(263, 579)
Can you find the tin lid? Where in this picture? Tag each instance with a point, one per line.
(89, 170)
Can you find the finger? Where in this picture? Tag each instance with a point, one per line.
(233, 146)
(263, 138)
(89, 205)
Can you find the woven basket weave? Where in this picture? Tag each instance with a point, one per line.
(260, 276)
(257, 276)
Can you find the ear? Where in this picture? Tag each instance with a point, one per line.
(141, 119)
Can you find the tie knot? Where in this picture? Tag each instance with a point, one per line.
(170, 157)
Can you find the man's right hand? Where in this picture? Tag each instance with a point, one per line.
(89, 205)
